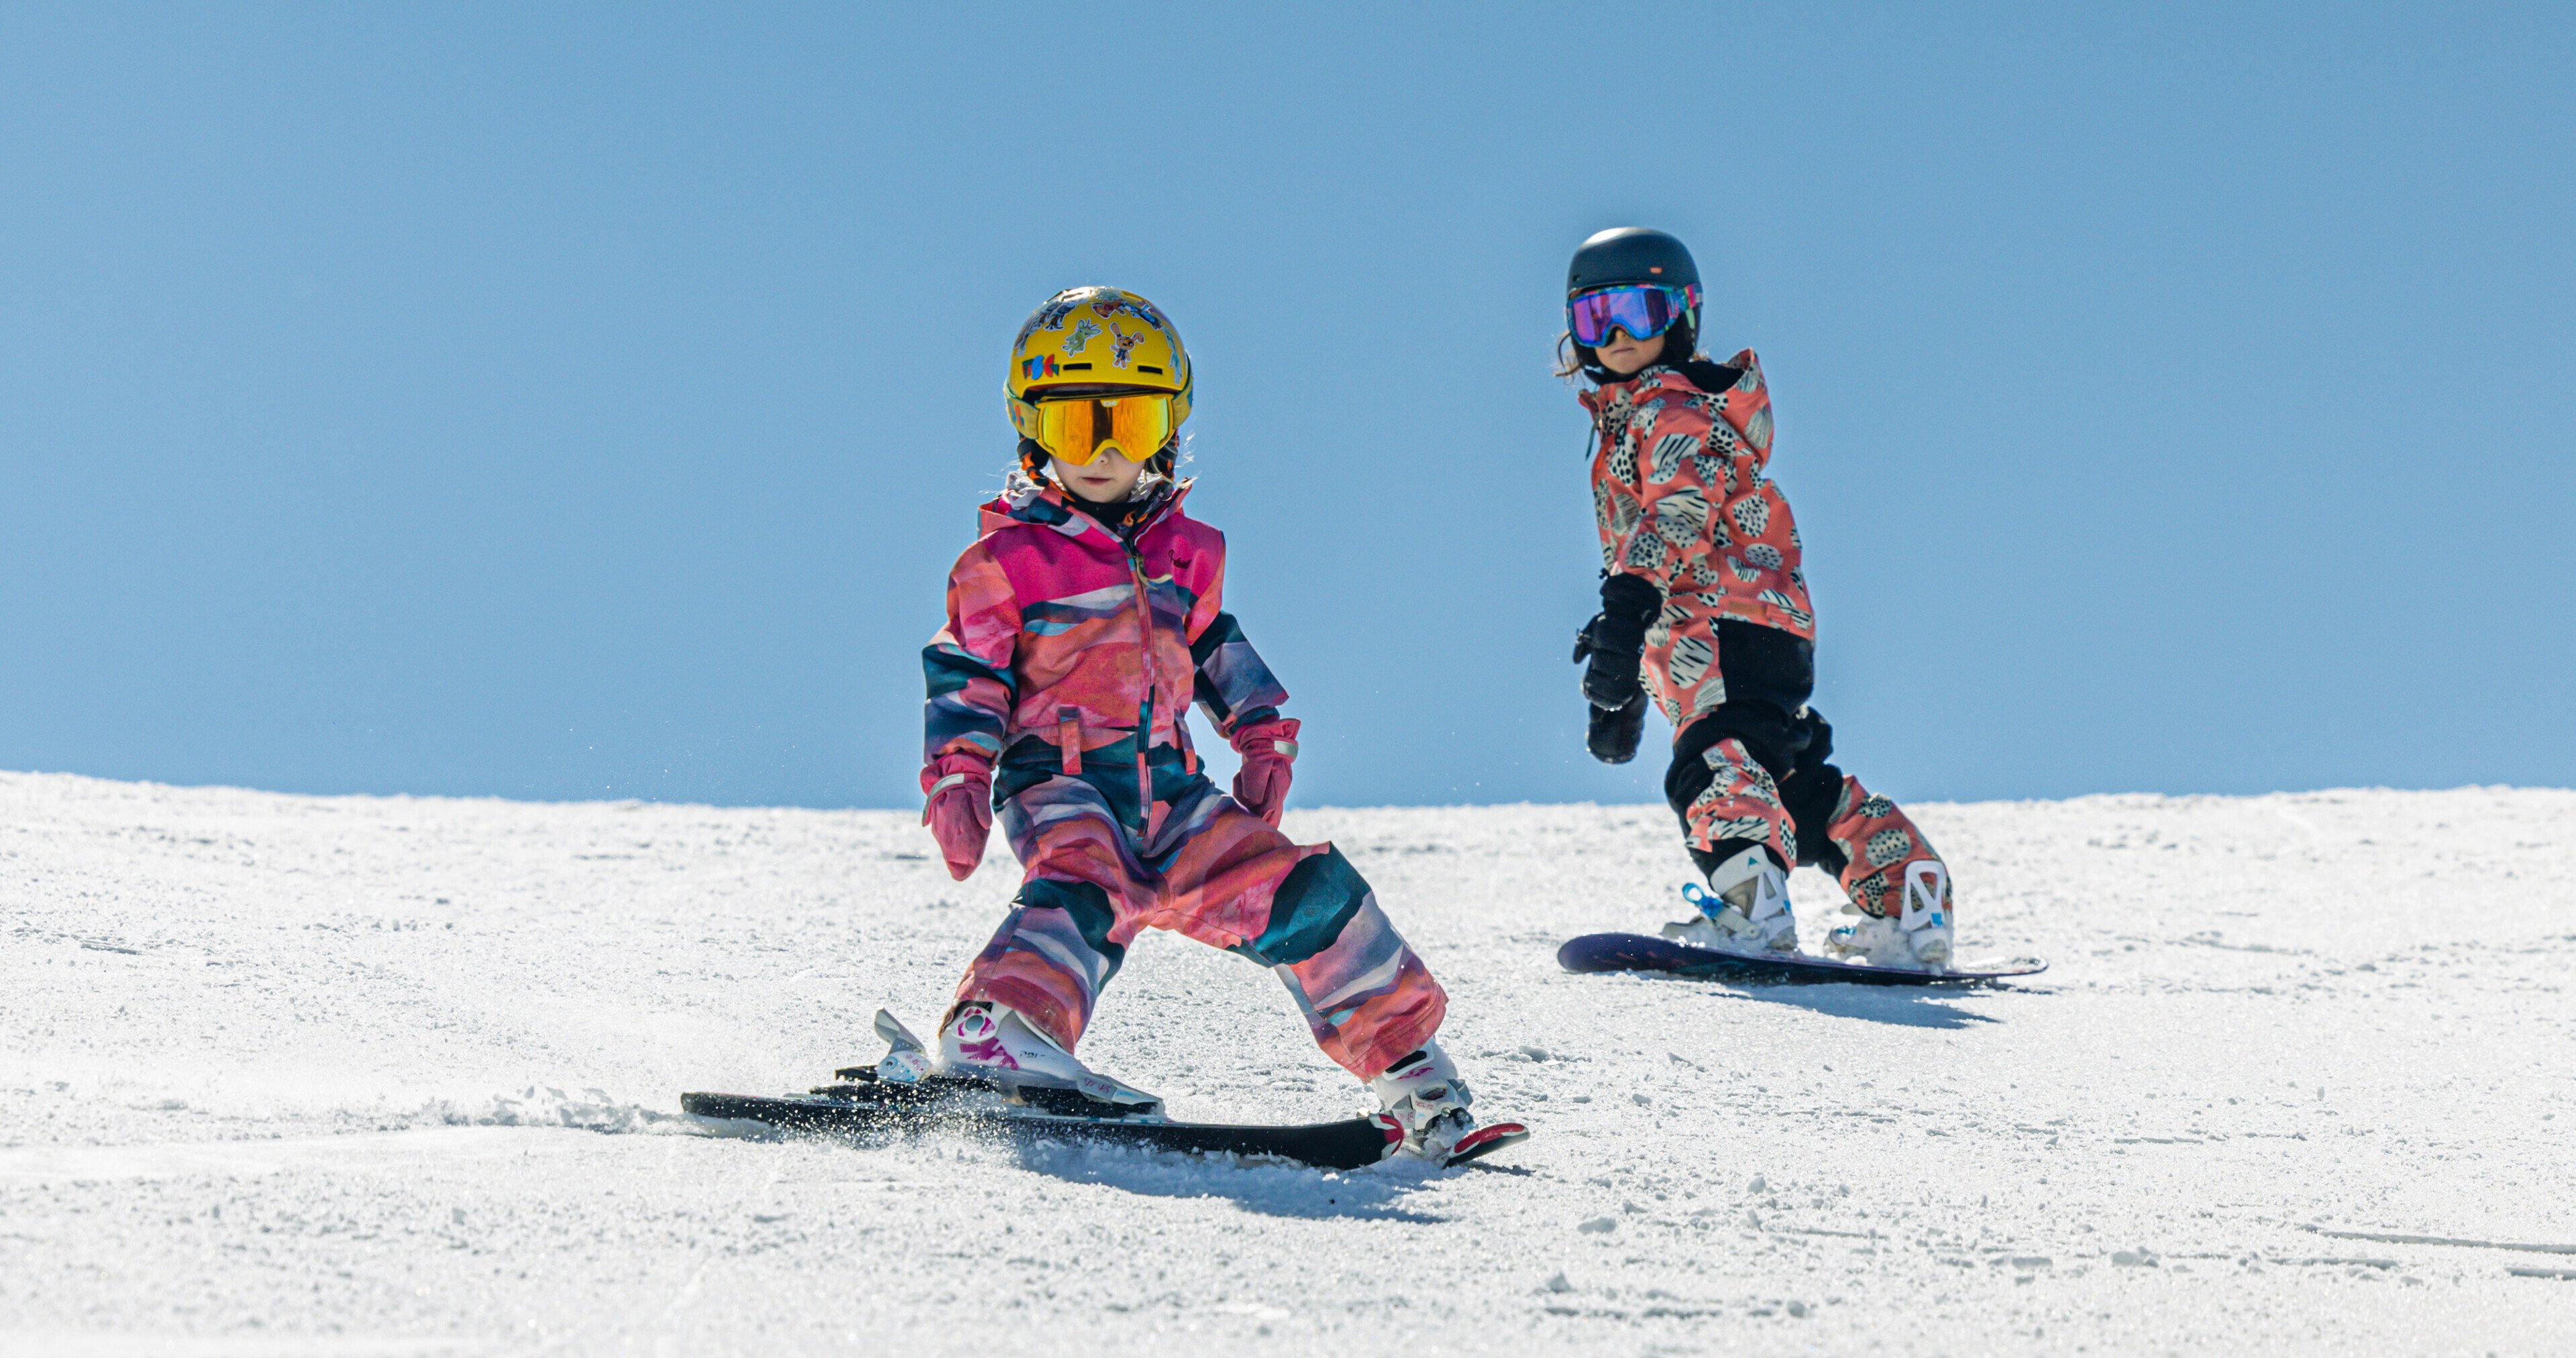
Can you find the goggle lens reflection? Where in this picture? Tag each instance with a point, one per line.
(1644, 310)
(1077, 429)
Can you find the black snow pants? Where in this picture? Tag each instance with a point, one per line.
(1769, 676)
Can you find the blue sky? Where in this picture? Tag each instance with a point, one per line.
(558, 402)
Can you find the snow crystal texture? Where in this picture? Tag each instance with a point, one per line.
(401, 1076)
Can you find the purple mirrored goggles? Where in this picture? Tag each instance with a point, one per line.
(1644, 310)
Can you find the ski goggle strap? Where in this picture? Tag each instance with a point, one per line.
(1644, 310)
(1077, 429)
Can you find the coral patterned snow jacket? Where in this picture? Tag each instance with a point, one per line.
(1071, 650)
(1681, 501)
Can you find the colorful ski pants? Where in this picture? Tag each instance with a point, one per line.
(1205, 867)
(1755, 771)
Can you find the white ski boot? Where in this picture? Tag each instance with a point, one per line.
(1745, 909)
(1918, 939)
(1426, 1098)
(993, 1044)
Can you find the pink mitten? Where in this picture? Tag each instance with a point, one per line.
(1268, 749)
(960, 810)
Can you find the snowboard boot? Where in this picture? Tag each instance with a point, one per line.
(1917, 939)
(993, 1044)
(1424, 1095)
(1745, 909)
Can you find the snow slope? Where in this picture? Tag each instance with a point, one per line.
(360, 1076)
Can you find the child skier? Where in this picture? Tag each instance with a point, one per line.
(1704, 608)
(1081, 625)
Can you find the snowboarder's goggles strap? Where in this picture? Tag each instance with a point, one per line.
(1077, 428)
(1644, 310)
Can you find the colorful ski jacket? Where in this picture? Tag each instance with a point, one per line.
(1679, 494)
(1073, 649)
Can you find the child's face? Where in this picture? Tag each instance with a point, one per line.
(1623, 355)
(1108, 479)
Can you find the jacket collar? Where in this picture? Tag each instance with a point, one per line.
(1048, 506)
(1694, 375)
(1627, 390)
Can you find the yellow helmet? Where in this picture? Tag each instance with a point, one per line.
(1091, 340)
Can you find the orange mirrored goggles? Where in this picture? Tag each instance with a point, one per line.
(1077, 428)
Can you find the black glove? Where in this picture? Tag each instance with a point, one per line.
(1614, 640)
(1611, 679)
(1613, 731)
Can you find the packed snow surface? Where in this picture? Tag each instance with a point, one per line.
(401, 1076)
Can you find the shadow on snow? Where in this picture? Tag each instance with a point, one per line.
(1905, 1008)
(1270, 1188)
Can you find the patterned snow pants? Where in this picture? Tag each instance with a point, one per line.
(1754, 771)
(1207, 868)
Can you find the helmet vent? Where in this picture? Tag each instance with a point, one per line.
(1149, 368)
(1077, 367)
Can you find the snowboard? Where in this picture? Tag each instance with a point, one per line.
(906, 1093)
(1641, 952)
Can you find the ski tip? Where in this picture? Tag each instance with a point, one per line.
(1486, 1140)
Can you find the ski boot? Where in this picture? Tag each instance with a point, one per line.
(1745, 909)
(1423, 1096)
(1918, 939)
(991, 1043)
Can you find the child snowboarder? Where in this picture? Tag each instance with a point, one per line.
(1081, 625)
(1704, 608)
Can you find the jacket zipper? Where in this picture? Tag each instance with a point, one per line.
(1145, 706)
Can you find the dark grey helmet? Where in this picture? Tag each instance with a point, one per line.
(1630, 254)
(1635, 254)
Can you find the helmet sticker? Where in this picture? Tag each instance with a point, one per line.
(1128, 304)
(1048, 317)
(1083, 333)
(1051, 316)
(1121, 344)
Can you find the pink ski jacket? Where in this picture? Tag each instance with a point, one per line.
(1069, 649)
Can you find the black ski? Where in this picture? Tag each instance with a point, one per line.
(866, 1105)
